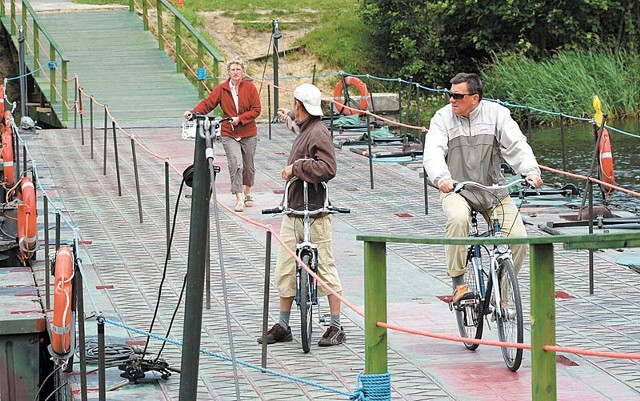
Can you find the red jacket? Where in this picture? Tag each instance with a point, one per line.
(248, 105)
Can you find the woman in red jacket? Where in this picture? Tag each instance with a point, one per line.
(238, 99)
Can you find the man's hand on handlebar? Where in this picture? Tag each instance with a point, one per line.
(535, 180)
(287, 172)
(447, 185)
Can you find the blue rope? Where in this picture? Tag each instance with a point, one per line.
(24, 75)
(226, 358)
(373, 387)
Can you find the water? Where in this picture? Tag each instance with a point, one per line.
(579, 146)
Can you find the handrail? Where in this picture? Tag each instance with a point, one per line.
(54, 49)
(180, 21)
(543, 324)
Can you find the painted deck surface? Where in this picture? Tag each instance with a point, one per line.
(124, 263)
(124, 259)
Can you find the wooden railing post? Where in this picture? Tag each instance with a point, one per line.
(178, 45)
(52, 74)
(375, 306)
(36, 50)
(543, 322)
(160, 25)
(65, 95)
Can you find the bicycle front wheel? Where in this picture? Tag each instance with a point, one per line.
(469, 314)
(306, 306)
(510, 323)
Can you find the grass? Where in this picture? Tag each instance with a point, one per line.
(567, 82)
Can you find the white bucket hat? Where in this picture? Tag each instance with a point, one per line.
(311, 97)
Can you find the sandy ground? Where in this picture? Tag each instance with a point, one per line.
(254, 45)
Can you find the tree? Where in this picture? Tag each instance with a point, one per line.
(432, 40)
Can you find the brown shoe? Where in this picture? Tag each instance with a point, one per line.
(277, 334)
(333, 336)
(461, 292)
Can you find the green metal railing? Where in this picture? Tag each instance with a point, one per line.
(205, 54)
(541, 269)
(56, 55)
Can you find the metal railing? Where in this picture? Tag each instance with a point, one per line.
(543, 322)
(56, 55)
(181, 46)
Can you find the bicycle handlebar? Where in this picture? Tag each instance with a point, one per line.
(286, 209)
(459, 186)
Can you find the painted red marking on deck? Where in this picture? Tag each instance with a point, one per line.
(404, 214)
(104, 287)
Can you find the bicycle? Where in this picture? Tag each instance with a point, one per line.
(486, 299)
(306, 251)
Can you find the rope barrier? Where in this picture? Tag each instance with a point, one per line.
(103, 319)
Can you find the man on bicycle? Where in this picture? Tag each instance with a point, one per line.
(466, 141)
(312, 159)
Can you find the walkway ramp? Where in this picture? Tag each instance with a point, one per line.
(118, 63)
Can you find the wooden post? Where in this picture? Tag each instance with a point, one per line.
(375, 306)
(543, 322)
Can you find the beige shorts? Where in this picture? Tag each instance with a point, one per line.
(291, 233)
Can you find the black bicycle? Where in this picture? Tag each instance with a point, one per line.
(307, 252)
(486, 266)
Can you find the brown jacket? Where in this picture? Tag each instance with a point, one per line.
(314, 161)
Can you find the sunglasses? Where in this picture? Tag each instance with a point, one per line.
(458, 96)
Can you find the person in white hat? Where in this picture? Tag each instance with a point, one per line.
(312, 159)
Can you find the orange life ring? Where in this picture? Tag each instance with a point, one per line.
(7, 151)
(606, 160)
(338, 93)
(27, 218)
(2, 100)
(62, 298)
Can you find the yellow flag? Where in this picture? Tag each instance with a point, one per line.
(597, 117)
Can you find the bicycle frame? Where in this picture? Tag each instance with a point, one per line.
(306, 246)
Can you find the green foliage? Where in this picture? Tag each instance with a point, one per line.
(432, 40)
(567, 82)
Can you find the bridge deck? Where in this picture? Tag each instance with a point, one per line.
(118, 63)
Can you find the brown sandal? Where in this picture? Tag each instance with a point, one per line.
(248, 200)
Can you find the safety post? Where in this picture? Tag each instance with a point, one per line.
(104, 155)
(77, 286)
(91, 124)
(265, 310)
(276, 35)
(195, 277)
(102, 371)
(543, 319)
(137, 178)
(115, 152)
(47, 260)
(369, 144)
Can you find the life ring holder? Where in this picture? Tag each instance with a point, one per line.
(63, 322)
(341, 95)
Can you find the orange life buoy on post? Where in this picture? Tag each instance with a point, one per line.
(62, 298)
(7, 151)
(27, 218)
(339, 90)
(606, 160)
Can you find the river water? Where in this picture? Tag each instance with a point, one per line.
(579, 144)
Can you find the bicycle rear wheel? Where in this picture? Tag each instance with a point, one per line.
(469, 314)
(306, 306)
(510, 325)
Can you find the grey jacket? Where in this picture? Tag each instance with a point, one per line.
(471, 149)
